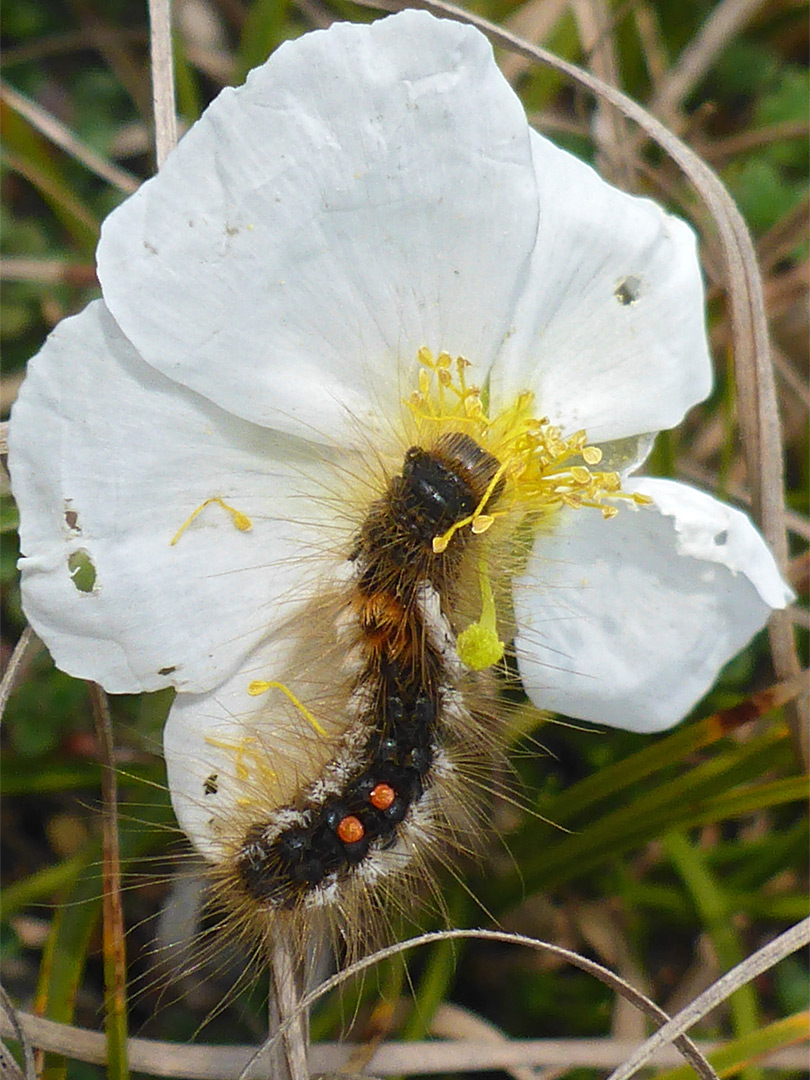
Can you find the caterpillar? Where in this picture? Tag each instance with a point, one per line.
(390, 793)
(367, 768)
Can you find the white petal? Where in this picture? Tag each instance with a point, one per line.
(232, 758)
(367, 192)
(613, 368)
(628, 622)
(108, 460)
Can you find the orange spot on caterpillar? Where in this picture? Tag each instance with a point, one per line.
(382, 796)
(350, 829)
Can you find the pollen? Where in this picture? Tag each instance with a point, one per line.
(350, 829)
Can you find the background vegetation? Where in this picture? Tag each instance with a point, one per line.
(679, 855)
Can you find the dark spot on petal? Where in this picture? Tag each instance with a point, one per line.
(627, 291)
(167, 670)
(71, 518)
(211, 785)
(721, 538)
(82, 570)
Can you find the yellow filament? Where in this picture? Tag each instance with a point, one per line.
(260, 686)
(243, 751)
(480, 522)
(240, 520)
(479, 646)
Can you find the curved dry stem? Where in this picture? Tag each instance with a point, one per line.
(609, 978)
(25, 650)
(19, 1034)
(796, 938)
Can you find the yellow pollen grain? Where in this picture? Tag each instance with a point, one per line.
(581, 474)
(240, 520)
(592, 455)
(260, 686)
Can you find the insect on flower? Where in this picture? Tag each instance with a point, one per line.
(359, 415)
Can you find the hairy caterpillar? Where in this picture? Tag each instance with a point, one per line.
(387, 791)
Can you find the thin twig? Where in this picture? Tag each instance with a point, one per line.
(47, 271)
(115, 969)
(19, 1033)
(25, 650)
(286, 983)
(162, 57)
(62, 136)
(615, 155)
(725, 21)
(763, 960)
(605, 975)
(198, 1061)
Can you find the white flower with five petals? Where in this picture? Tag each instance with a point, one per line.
(370, 192)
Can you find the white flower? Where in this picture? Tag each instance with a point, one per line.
(370, 192)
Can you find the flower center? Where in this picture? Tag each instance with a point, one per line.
(541, 471)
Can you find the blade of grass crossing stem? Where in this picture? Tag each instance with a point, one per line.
(689, 800)
(716, 915)
(32, 157)
(41, 885)
(737, 765)
(736, 1055)
(115, 968)
(65, 955)
(748, 800)
(662, 754)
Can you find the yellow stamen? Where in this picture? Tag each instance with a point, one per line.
(245, 754)
(240, 520)
(260, 686)
(541, 470)
(479, 646)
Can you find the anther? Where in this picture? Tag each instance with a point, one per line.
(350, 829)
(382, 796)
(241, 521)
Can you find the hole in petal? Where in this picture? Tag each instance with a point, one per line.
(211, 785)
(82, 570)
(167, 670)
(721, 538)
(626, 292)
(71, 518)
